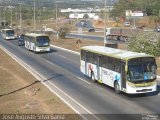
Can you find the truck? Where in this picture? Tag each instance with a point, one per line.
(116, 33)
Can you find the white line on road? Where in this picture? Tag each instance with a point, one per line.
(70, 73)
(50, 62)
(83, 80)
(40, 77)
(62, 56)
(64, 49)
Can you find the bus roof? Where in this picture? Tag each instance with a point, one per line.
(35, 34)
(116, 53)
(7, 29)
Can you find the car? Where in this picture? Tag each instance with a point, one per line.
(126, 24)
(21, 40)
(91, 30)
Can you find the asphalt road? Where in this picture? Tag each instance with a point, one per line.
(62, 74)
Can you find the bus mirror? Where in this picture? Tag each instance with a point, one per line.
(153, 68)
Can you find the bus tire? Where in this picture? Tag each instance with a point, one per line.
(117, 88)
(93, 77)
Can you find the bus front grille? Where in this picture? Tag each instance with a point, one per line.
(144, 90)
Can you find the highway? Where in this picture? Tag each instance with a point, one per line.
(60, 71)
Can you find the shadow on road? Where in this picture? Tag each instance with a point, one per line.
(35, 82)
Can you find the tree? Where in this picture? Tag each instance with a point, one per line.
(145, 42)
(63, 31)
(86, 16)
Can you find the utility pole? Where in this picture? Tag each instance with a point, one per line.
(134, 20)
(56, 19)
(20, 17)
(11, 15)
(34, 15)
(105, 41)
(4, 13)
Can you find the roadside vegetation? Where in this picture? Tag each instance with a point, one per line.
(145, 42)
(151, 8)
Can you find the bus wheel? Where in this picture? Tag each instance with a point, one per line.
(93, 77)
(117, 88)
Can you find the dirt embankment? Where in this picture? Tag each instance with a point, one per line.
(21, 93)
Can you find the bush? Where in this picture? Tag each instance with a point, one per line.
(63, 31)
(145, 42)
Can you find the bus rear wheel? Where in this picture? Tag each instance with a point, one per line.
(117, 88)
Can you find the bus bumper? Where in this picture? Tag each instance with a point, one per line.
(138, 90)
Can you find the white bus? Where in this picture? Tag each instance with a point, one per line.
(125, 71)
(37, 42)
(8, 34)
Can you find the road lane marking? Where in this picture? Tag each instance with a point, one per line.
(62, 56)
(70, 73)
(50, 62)
(39, 77)
(83, 80)
(64, 49)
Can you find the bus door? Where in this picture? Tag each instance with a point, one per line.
(123, 74)
(85, 60)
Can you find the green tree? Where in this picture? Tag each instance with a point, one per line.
(145, 42)
(63, 31)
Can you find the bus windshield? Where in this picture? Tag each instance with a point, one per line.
(10, 32)
(142, 72)
(42, 41)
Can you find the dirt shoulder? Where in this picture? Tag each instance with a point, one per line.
(21, 93)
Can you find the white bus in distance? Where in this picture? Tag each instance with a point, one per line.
(126, 71)
(8, 34)
(37, 42)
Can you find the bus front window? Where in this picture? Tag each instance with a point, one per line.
(10, 33)
(42, 41)
(142, 72)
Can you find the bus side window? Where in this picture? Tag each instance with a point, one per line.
(117, 68)
(87, 56)
(117, 65)
(95, 59)
(83, 55)
(91, 57)
(110, 63)
(104, 62)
